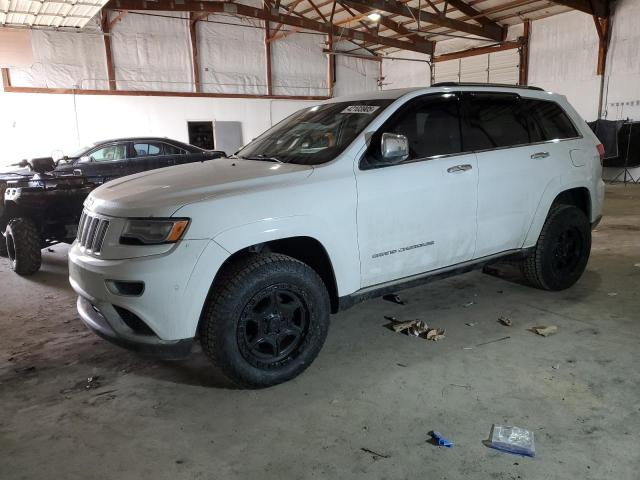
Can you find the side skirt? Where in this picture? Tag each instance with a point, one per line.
(381, 289)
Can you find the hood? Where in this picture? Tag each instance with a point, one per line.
(15, 174)
(159, 193)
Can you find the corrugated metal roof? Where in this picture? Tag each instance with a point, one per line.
(48, 13)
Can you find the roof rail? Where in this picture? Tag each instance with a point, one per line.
(472, 84)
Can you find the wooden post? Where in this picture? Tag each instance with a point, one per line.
(111, 76)
(330, 66)
(267, 53)
(524, 55)
(602, 27)
(6, 79)
(193, 34)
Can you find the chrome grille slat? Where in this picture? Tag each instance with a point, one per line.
(92, 231)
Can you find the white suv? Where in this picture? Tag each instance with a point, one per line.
(347, 200)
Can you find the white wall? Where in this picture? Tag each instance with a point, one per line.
(564, 53)
(33, 125)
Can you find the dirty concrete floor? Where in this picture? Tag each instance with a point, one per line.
(578, 390)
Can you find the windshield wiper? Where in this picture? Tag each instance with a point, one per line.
(264, 158)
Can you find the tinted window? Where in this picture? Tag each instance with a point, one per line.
(110, 152)
(548, 121)
(431, 124)
(147, 149)
(173, 150)
(494, 121)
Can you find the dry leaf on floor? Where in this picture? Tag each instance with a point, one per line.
(418, 329)
(435, 334)
(506, 321)
(544, 330)
(399, 327)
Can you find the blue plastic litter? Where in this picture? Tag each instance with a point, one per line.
(442, 442)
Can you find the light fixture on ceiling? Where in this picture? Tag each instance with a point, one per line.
(374, 16)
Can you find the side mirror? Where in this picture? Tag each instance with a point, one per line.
(395, 148)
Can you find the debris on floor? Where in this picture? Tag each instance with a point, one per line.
(506, 321)
(374, 454)
(416, 328)
(468, 304)
(556, 366)
(493, 341)
(612, 294)
(544, 330)
(512, 440)
(470, 324)
(440, 440)
(394, 298)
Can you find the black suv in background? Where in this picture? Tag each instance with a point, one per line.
(41, 206)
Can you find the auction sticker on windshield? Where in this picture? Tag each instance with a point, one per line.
(367, 109)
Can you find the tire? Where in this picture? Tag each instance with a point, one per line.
(265, 320)
(3, 246)
(23, 246)
(562, 252)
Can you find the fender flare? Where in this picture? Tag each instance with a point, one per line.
(344, 257)
(553, 189)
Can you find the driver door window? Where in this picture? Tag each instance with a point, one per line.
(109, 153)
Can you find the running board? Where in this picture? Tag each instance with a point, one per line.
(381, 289)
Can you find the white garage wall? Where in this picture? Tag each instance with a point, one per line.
(563, 57)
(406, 74)
(33, 125)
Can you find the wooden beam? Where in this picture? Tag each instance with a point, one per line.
(393, 25)
(111, 74)
(6, 79)
(117, 19)
(523, 78)
(599, 8)
(266, 15)
(478, 16)
(267, 54)
(494, 32)
(603, 43)
(472, 52)
(193, 34)
(141, 93)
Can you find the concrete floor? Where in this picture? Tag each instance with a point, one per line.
(578, 390)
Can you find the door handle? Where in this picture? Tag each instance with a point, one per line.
(540, 155)
(459, 168)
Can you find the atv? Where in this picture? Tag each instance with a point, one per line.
(38, 210)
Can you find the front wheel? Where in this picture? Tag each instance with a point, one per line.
(265, 320)
(561, 254)
(3, 246)
(23, 246)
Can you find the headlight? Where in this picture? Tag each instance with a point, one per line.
(153, 231)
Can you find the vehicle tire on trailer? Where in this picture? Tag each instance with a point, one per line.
(23, 246)
(265, 320)
(3, 246)
(562, 252)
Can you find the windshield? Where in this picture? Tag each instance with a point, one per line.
(82, 151)
(314, 135)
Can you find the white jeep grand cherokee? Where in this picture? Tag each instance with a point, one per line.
(343, 201)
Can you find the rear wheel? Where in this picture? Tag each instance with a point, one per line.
(562, 252)
(266, 319)
(23, 246)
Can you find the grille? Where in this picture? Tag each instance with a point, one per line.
(91, 232)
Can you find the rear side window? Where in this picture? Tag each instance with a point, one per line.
(494, 120)
(548, 121)
(147, 149)
(173, 150)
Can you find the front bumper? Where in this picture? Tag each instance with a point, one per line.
(163, 317)
(94, 319)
